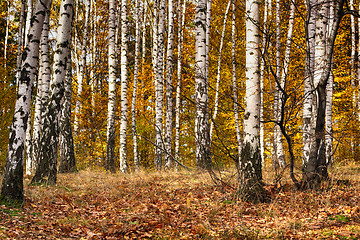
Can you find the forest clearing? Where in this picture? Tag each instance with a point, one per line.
(183, 205)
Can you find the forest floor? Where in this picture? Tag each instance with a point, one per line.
(183, 205)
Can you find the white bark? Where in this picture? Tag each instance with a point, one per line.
(47, 166)
(124, 86)
(6, 34)
(82, 66)
(218, 74)
(234, 79)
(12, 184)
(110, 133)
(29, 14)
(181, 14)
(208, 28)
(41, 96)
(169, 86)
(20, 41)
(159, 87)
(202, 128)
(135, 83)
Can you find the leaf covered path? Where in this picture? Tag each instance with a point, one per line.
(97, 205)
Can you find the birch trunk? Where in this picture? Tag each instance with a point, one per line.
(218, 75)
(82, 67)
(110, 133)
(12, 183)
(29, 14)
(181, 15)
(234, 79)
(41, 96)
(6, 34)
(353, 71)
(250, 186)
(135, 83)
(20, 41)
(316, 169)
(202, 128)
(124, 86)
(67, 161)
(159, 88)
(169, 86)
(208, 27)
(46, 171)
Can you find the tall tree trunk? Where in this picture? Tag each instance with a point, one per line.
(12, 183)
(218, 75)
(315, 169)
(6, 35)
(169, 86)
(159, 88)
(41, 96)
(20, 41)
(353, 71)
(279, 158)
(67, 161)
(202, 128)
(29, 14)
(181, 15)
(110, 133)
(135, 83)
(46, 171)
(82, 66)
(208, 27)
(250, 186)
(124, 86)
(234, 79)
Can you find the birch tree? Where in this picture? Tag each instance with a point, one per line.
(41, 96)
(124, 85)
(47, 167)
(250, 186)
(67, 161)
(180, 35)
(159, 87)
(135, 83)
(202, 128)
(110, 133)
(315, 169)
(82, 66)
(169, 85)
(12, 183)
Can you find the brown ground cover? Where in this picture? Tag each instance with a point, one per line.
(183, 205)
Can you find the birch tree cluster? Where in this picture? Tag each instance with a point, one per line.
(129, 85)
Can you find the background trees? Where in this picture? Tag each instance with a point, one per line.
(203, 87)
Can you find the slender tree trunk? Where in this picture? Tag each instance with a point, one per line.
(208, 27)
(93, 77)
(29, 14)
(169, 85)
(41, 96)
(82, 67)
(6, 35)
(159, 88)
(234, 79)
(202, 128)
(20, 41)
(135, 84)
(250, 186)
(353, 71)
(181, 15)
(12, 183)
(124, 86)
(110, 133)
(308, 131)
(218, 75)
(67, 162)
(46, 171)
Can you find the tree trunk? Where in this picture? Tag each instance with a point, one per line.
(251, 186)
(41, 96)
(46, 171)
(110, 133)
(29, 14)
(135, 83)
(181, 15)
(124, 86)
(12, 183)
(20, 41)
(218, 75)
(67, 162)
(169, 86)
(202, 128)
(234, 79)
(82, 67)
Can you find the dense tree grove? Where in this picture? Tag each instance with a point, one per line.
(125, 85)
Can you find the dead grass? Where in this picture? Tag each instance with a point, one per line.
(183, 205)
